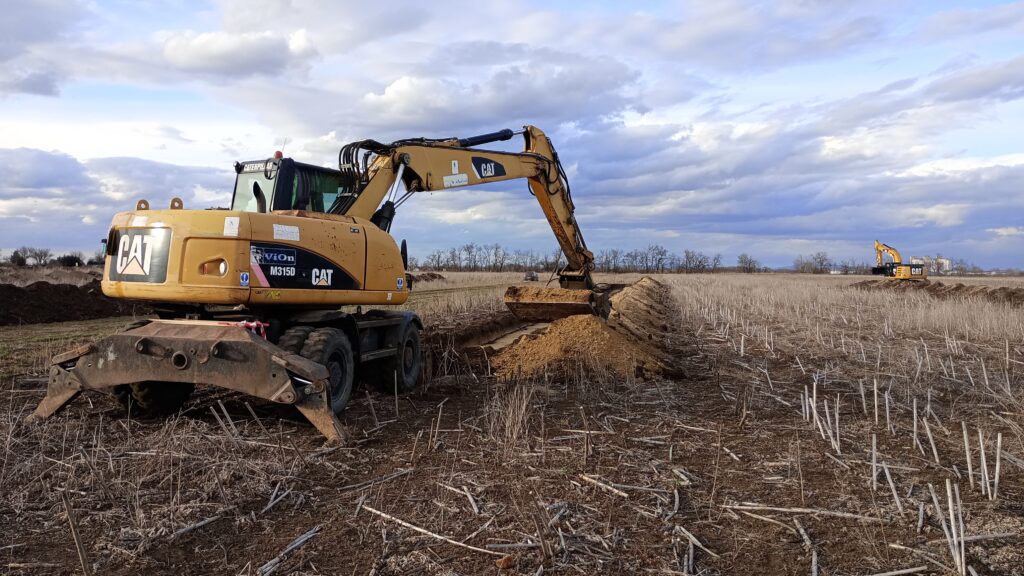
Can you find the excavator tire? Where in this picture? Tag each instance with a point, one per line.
(403, 369)
(293, 339)
(331, 347)
(154, 398)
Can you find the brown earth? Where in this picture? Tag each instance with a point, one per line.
(425, 277)
(640, 337)
(1013, 296)
(42, 302)
(529, 293)
(572, 340)
(25, 275)
(722, 457)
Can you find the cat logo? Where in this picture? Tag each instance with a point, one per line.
(134, 255)
(322, 276)
(141, 254)
(487, 168)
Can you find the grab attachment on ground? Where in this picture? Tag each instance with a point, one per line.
(163, 355)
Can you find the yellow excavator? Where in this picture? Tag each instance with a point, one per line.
(895, 268)
(250, 298)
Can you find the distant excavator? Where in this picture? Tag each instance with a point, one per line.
(896, 268)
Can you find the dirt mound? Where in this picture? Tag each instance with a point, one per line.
(641, 336)
(77, 276)
(532, 294)
(1004, 294)
(570, 340)
(647, 312)
(425, 277)
(41, 302)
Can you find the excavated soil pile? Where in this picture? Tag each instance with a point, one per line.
(41, 302)
(641, 336)
(568, 341)
(426, 277)
(531, 294)
(1004, 294)
(647, 312)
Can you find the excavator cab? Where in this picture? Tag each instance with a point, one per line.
(284, 184)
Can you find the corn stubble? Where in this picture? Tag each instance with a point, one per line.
(810, 428)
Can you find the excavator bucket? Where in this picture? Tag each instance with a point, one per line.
(547, 304)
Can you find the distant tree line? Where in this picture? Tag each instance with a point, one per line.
(653, 259)
(29, 256)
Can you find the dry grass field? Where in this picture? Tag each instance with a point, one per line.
(807, 427)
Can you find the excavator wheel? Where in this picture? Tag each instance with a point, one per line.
(331, 347)
(154, 398)
(293, 339)
(402, 369)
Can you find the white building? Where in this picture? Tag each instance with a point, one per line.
(939, 265)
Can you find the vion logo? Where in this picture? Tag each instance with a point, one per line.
(134, 255)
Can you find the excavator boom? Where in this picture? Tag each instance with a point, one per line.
(381, 177)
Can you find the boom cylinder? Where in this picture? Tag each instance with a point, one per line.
(498, 136)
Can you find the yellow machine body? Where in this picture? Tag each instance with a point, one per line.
(895, 268)
(224, 257)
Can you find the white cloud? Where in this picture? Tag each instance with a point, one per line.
(731, 126)
(938, 214)
(1007, 231)
(236, 54)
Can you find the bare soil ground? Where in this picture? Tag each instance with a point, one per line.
(753, 456)
(23, 276)
(41, 302)
(958, 290)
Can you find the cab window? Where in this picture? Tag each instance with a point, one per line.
(314, 190)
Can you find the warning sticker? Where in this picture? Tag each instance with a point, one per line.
(283, 232)
(456, 180)
(231, 225)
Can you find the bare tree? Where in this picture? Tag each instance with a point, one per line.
(747, 264)
(435, 261)
(40, 256)
(453, 261)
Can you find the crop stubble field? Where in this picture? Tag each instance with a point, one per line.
(719, 465)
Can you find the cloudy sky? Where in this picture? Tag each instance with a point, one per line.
(774, 128)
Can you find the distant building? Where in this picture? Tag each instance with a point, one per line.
(938, 265)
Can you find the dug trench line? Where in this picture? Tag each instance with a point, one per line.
(936, 289)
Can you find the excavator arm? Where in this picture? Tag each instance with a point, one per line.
(379, 178)
(882, 249)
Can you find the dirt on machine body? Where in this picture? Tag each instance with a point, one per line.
(289, 287)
